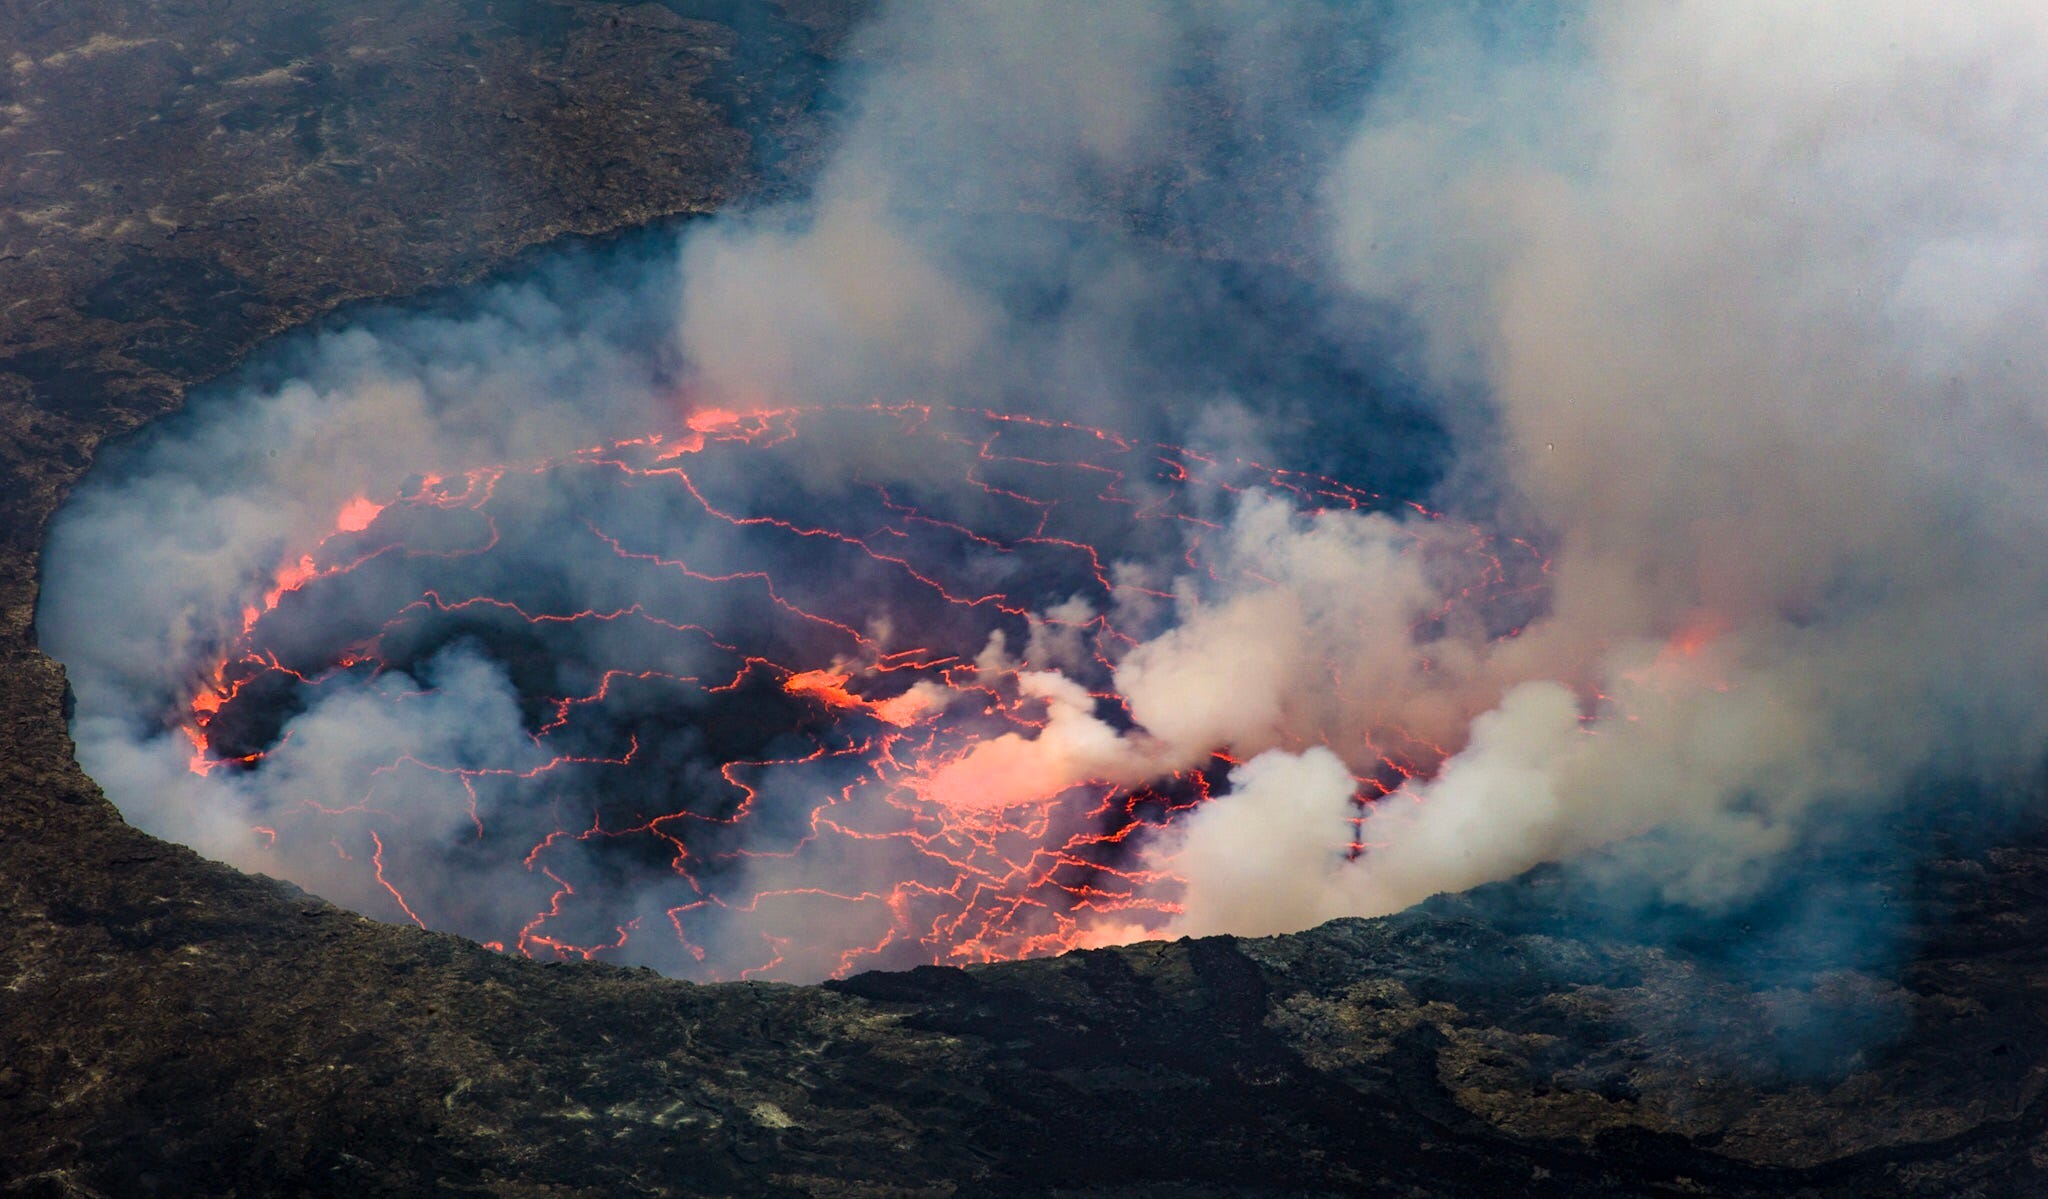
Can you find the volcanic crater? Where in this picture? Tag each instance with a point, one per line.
(174, 1026)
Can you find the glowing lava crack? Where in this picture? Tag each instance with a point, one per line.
(771, 742)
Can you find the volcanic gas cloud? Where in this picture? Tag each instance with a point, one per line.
(1044, 535)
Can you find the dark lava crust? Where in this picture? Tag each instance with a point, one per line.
(171, 193)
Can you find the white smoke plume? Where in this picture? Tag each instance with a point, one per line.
(1731, 309)
(1754, 293)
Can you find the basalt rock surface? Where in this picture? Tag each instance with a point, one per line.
(178, 181)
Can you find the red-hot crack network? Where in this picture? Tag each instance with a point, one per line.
(853, 628)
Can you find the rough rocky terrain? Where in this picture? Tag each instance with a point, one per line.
(171, 193)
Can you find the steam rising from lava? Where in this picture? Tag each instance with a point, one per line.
(1733, 311)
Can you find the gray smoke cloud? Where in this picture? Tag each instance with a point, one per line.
(1730, 310)
(1752, 293)
(151, 564)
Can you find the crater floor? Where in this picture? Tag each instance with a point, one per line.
(170, 1027)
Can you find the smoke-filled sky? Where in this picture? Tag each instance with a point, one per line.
(1704, 336)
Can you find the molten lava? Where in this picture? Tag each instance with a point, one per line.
(725, 723)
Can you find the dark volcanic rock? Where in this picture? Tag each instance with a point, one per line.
(181, 180)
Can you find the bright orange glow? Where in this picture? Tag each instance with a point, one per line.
(290, 577)
(829, 687)
(712, 420)
(908, 744)
(357, 515)
(826, 685)
(992, 776)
